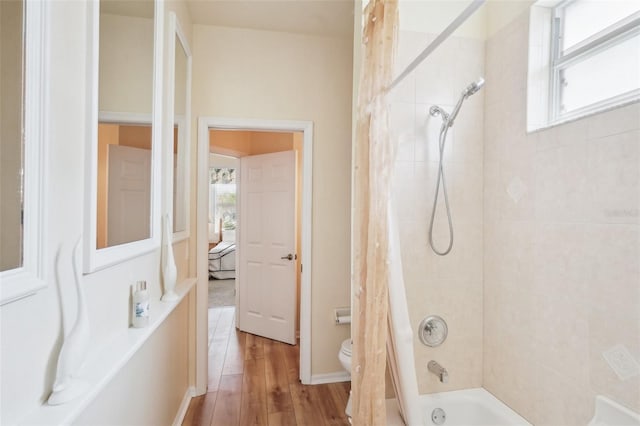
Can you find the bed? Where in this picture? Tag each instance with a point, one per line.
(222, 261)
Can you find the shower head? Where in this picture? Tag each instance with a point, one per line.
(473, 87)
(470, 90)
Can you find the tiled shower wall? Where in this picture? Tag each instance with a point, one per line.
(561, 248)
(449, 286)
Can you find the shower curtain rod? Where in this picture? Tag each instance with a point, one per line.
(475, 5)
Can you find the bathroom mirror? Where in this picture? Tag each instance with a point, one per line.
(22, 49)
(180, 74)
(122, 215)
(124, 178)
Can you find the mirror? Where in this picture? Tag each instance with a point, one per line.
(22, 210)
(180, 133)
(11, 112)
(122, 218)
(124, 149)
(124, 179)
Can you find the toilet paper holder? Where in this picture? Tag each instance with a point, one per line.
(342, 316)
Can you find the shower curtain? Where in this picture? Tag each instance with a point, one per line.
(400, 334)
(373, 330)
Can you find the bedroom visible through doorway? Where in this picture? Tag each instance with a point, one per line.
(226, 149)
(222, 225)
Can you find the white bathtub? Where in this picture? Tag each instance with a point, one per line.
(470, 407)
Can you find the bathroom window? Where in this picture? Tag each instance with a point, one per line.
(584, 57)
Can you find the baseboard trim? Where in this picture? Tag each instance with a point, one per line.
(339, 376)
(184, 405)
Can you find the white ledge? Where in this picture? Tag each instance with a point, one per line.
(102, 365)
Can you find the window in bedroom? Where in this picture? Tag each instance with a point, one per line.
(222, 196)
(584, 57)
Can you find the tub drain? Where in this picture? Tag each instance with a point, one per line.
(438, 416)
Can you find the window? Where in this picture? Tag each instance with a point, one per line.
(222, 184)
(592, 61)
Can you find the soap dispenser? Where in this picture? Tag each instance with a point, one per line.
(140, 314)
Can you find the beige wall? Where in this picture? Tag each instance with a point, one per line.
(125, 66)
(449, 286)
(561, 274)
(10, 135)
(34, 324)
(271, 75)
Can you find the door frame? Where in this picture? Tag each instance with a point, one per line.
(224, 123)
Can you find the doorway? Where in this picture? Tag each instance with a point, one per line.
(221, 227)
(223, 128)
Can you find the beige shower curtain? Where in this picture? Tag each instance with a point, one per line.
(374, 154)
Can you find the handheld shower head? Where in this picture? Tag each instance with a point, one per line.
(470, 90)
(473, 87)
(448, 119)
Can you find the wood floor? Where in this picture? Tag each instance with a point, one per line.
(254, 381)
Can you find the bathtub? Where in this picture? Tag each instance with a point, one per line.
(469, 407)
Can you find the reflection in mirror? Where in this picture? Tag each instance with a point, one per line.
(11, 131)
(179, 71)
(124, 174)
(124, 193)
(179, 112)
(23, 26)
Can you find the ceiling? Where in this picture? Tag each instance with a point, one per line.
(332, 18)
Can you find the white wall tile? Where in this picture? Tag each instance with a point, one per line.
(618, 120)
(402, 129)
(561, 266)
(428, 135)
(562, 191)
(450, 286)
(614, 178)
(560, 402)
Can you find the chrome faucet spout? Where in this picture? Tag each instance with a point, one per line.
(439, 371)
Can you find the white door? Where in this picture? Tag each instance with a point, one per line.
(267, 267)
(129, 199)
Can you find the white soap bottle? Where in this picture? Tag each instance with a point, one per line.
(140, 317)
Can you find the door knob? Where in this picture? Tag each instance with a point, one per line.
(288, 257)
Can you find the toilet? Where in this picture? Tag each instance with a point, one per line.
(344, 355)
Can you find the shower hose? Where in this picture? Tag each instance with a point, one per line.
(441, 142)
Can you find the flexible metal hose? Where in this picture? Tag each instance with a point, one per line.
(447, 121)
(441, 143)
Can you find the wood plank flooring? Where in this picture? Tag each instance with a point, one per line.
(254, 381)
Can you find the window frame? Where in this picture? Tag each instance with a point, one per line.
(599, 42)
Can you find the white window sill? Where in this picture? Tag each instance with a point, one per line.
(102, 365)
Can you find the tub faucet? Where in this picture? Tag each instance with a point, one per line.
(439, 371)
